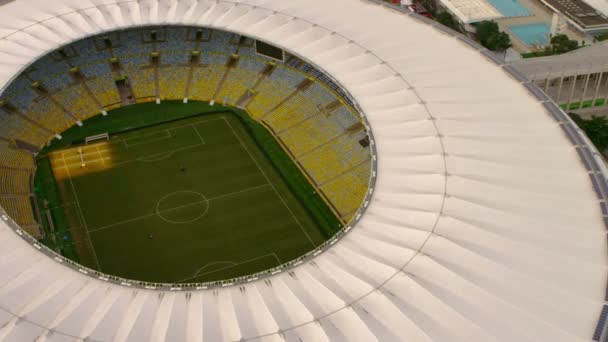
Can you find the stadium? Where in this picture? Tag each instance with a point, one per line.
(265, 170)
(228, 169)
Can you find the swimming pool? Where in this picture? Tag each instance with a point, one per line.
(532, 34)
(510, 8)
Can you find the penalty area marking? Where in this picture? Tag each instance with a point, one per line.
(154, 157)
(119, 140)
(168, 135)
(234, 264)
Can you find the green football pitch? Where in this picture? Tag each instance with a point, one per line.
(191, 200)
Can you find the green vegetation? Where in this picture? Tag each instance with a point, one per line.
(59, 238)
(596, 129)
(180, 193)
(584, 104)
(535, 54)
(297, 182)
(559, 44)
(430, 5)
(442, 16)
(447, 19)
(601, 37)
(491, 37)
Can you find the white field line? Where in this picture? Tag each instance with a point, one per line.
(100, 155)
(176, 127)
(277, 258)
(170, 152)
(138, 159)
(157, 157)
(199, 134)
(232, 263)
(268, 180)
(168, 136)
(227, 267)
(178, 207)
(239, 192)
(151, 155)
(84, 222)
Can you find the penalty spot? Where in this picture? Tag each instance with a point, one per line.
(82, 163)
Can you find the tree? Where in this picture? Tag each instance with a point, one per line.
(499, 42)
(490, 36)
(561, 43)
(430, 5)
(485, 30)
(596, 129)
(448, 20)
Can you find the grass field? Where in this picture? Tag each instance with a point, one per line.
(191, 200)
(584, 104)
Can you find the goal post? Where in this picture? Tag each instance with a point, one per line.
(102, 136)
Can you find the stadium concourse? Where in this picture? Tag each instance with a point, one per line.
(486, 220)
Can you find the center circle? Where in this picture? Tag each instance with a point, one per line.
(182, 207)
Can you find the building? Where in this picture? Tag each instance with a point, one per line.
(585, 16)
(580, 76)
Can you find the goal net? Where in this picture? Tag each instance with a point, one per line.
(102, 136)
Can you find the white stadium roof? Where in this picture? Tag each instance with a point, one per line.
(483, 225)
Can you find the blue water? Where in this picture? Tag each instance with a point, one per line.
(510, 8)
(532, 34)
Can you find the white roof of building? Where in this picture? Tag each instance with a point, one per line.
(586, 60)
(472, 11)
(483, 225)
